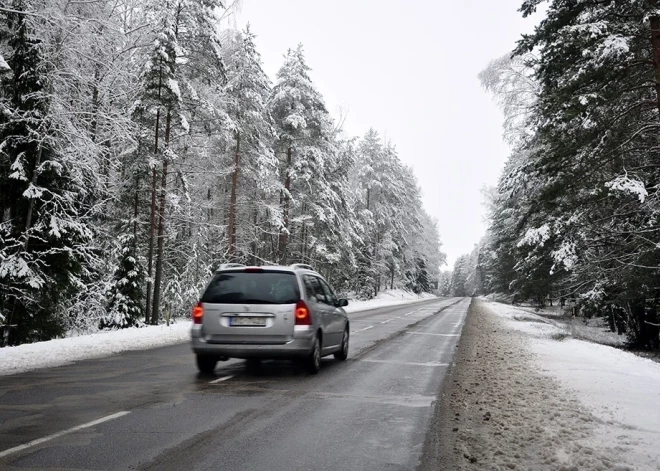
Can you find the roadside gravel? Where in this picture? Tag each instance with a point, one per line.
(497, 412)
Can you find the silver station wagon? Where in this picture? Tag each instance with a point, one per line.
(270, 312)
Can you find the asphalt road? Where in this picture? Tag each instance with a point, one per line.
(151, 410)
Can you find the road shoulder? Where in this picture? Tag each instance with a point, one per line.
(499, 411)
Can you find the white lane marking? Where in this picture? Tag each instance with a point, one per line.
(64, 432)
(224, 378)
(388, 320)
(362, 330)
(407, 363)
(437, 335)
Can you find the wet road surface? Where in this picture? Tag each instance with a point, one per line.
(152, 410)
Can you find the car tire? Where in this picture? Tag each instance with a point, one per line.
(253, 364)
(313, 362)
(342, 354)
(206, 364)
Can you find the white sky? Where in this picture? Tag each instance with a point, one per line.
(408, 68)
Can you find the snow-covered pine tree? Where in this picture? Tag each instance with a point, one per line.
(125, 299)
(598, 133)
(305, 140)
(46, 233)
(159, 104)
(254, 164)
(444, 283)
(460, 275)
(366, 183)
(114, 136)
(576, 208)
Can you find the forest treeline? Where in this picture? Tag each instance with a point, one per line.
(142, 145)
(576, 214)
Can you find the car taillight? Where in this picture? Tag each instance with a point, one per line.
(253, 269)
(198, 313)
(302, 314)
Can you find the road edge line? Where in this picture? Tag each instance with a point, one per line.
(53, 436)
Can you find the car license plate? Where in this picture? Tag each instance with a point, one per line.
(248, 321)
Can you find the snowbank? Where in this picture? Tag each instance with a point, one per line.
(68, 350)
(557, 325)
(620, 390)
(388, 298)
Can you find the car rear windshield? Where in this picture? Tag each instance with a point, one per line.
(267, 287)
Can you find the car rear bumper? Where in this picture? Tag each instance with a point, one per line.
(299, 346)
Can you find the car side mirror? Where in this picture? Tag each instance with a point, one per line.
(342, 303)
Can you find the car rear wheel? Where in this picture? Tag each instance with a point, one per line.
(206, 364)
(253, 364)
(314, 359)
(342, 354)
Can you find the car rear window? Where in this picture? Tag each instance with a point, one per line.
(267, 287)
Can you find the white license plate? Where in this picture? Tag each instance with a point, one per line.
(247, 321)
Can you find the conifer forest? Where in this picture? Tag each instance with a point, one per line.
(575, 216)
(142, 145)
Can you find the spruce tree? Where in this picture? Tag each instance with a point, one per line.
(254, 165)
(304, 131)
(126, 293)
(46, 230)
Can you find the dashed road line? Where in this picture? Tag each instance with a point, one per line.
(219, 380)
(362, 330)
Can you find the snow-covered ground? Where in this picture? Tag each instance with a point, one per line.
(68, 350)
(594, 329)
(387, 298)
(619, 391)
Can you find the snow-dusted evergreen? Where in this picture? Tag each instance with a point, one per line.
(575, 214)
(141, 146)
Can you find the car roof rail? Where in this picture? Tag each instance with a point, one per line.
(225, 266)
(304, 266)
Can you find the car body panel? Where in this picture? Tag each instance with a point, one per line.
(231, 329)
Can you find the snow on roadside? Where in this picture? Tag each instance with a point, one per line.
(60, 352)
(388, 298)
(620, 390)
(594, 329)
(71, 349)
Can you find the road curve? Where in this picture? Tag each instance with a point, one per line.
(151, 410)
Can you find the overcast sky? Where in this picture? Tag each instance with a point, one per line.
(408, 68)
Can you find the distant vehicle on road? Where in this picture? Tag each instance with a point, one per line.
(270, 312)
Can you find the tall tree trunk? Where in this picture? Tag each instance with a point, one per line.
(254, 240)
(284, 234)
(152, 224)
(209, 216)
(33, 181)
(209, 211)
(135, 210)
(655, 42)
(303, 245)
(161, 225)
(232, 201)
(95, 104)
